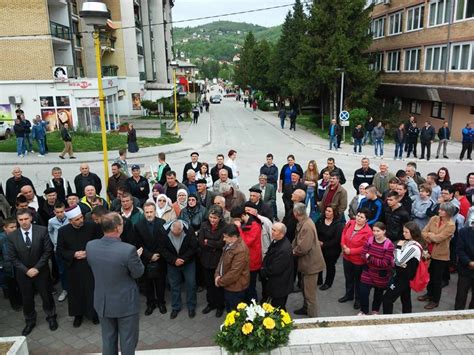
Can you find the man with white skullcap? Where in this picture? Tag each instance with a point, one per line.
(72, 240)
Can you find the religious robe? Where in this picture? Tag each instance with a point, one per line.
(81, 280)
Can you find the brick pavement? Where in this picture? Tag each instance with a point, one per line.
(158, 331)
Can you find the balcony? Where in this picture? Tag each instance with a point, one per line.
(138, 23)
(80, 72)
(109, 70)
(60, 31)
(107, 41)
(140, 50)
(142, 76)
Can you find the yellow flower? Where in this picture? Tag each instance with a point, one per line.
(268, 323)
(268, 307)
(247, 328)
(241, 306)
(282, 324)
(286, 318)
(230, 319)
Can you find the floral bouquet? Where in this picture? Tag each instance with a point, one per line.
(252, 329)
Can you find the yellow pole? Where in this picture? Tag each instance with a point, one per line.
(101, 108)
(175, 102)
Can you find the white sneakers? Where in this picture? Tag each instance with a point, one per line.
(62, 296)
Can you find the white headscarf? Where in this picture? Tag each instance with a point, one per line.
(359, 196)
(161, 211)
(185, 203)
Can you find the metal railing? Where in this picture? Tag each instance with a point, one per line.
(60, 31)
(140, 49)
(107, 41)
(109, 70)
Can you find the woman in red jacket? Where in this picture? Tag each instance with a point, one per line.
(250, 229)
(354, 236)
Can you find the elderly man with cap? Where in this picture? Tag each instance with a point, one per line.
(251, 209)
(206, 197)
(138, 185)
(233, 197)
(268, 193)
(277, 268)
(72, 240)
(194, 164)
(46, 205)
(288, 189)
(264, 209)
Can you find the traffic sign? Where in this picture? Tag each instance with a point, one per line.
(344, 123)
(344, 115)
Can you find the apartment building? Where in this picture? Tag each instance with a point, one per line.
(48, 64)
(424, 51)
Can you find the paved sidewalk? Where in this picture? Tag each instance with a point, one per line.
(314, 141)
(193, 137)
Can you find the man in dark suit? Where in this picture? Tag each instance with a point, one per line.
(150, 234)
(277, 268)
(116, 266)
(263, 208)
(29, 249)
(288, 190)
(86, 178)
(194, 164)
(14, 185)
(206, 197)
(268, 192)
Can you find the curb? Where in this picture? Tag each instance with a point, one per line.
(96, 160)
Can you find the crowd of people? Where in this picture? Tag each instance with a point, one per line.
(205, 233)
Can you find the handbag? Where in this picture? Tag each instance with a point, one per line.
(152, 270)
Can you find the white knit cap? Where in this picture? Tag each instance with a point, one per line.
(73, 212)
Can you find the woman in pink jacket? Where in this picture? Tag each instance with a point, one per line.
(354, 236)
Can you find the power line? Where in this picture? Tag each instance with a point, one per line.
(173, 22)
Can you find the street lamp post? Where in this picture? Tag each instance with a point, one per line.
(95, 13)
(174, 65)
(341, 102)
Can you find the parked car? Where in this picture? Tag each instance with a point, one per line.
(216, 99)
(5, 130)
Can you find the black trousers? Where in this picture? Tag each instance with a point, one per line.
(365, 295)
(278, 302)
(466, 147)
(436, 271)
(155, 289)
(426, 146)
(331, 261)
(465, 284)
(42, 284)
(13, 292)
(215, 295)
(200, 274)
(352, 274)
(397, 288)
(411, 147)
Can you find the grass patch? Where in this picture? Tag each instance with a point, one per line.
(91, 142)
(166, 117)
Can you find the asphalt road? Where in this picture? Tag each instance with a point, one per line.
(252, 135)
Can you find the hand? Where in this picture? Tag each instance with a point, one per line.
(401, 242)
(81, 254)
(205, 241)
(140, 251)
(179, 262)
(155, 257)
(347, 251)
(471, 265)
(237, 223)
(279, 189)
(216, 281)
(321, 243)
(32, 272)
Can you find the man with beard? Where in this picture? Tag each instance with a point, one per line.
(72, 240)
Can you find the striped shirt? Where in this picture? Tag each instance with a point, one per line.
(379, 263)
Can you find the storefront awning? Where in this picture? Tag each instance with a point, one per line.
(154, 95)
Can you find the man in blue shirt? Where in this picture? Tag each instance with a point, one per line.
(333, 133)
(444, 135)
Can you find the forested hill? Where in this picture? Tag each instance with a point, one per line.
(219, 40)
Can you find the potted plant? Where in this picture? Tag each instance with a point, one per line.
(123, 127)
(253, 329)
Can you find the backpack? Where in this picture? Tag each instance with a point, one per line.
(422, 276)
(386, 244)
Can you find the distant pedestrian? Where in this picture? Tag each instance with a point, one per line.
(400, 139)
(333, 132)
(282, 116)
(293, 115)
(195, 114)
(408, 124)
(369, 127)
(378, 134)
(132, 139)
(27, 141)
(19, 130)
(116, 265)
(427, 135)
(444, 134)
(67, 139)
(358, 135)
(245, 102)
(467, 141)
(412, 139)
(254, 105)
(45, 124)
(38, 133)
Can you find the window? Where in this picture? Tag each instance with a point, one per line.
(412, 59)
(472, 110)
(415, 107)
(378, 27)
(395, 23)
(435, 58)
(378, 63)
(393, 64)
(415, 16)
(464, 9)
(440, 12)
(462, 56)
(438, 110)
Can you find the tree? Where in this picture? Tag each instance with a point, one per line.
(245, 69)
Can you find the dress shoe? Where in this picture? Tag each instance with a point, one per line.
(431, 305)
(192, 313)
(344, 299)
(437, 157)
(53, 324)
(207, 309)
(356, 305)
(301, 312)
(219, 312)
(445, 157)
(162, 308)
(424, 298)
(77, 321)
(174, 314)
(324, 287)
(27, 330)
(95, 320)
(149, 310)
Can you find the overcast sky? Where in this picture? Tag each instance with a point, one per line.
(188, 9)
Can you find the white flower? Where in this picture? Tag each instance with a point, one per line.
(251, 314)
(260, 311)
